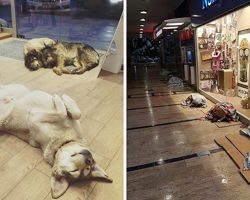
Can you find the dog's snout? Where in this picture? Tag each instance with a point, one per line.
(89, 161)
(88, 157)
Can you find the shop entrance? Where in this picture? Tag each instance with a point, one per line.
(223, 59)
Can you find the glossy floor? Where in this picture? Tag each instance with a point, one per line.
(171, 153)
(23, 172)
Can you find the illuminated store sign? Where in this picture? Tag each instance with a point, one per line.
(207, 3)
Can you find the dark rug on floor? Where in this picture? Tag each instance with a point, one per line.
(12, 49)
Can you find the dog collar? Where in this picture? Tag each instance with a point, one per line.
(55, 144)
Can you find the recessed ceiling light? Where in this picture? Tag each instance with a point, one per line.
(115, 1)
(142, 20)
(143, 12)
(141, 29)
(175, 24)
(141, 32)
(175, 30)
(196, 15)
(171, 33)
(170, 27)
(141, 25)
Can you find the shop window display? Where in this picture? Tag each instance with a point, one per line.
(223, 58)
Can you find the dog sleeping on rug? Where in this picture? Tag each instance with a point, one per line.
(52, 124)
(63, 57)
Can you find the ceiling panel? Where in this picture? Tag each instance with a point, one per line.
(158, 10)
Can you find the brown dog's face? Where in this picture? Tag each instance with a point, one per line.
(33, 60)
(73, 162)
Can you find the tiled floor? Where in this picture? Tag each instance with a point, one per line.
(23, 172)
(170, 158)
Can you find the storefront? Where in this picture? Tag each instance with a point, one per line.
(222, 49)
(188, 54)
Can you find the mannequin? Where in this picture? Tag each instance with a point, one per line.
(216, 55)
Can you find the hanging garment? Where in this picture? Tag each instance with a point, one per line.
(195, 100)
(222, 112)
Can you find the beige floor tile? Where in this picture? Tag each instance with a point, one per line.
(4, 157)
(11, 144)
(14, 170)
(90, 129)
(108, 106)
(35, 186)
(112, 134)
(115, 190)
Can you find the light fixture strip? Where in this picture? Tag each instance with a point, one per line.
(170, 27)
(175, 24)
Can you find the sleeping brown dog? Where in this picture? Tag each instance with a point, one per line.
(52, 124)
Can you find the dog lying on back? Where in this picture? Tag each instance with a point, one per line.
(33, 58)
(50, 123)
(63, 57)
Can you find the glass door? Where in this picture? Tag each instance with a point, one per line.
(5, 14)
(89, 21)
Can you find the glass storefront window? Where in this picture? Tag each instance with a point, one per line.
(89, 21)
(223, 48)
(5, 14)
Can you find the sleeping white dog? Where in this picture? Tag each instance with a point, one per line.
(50, 123)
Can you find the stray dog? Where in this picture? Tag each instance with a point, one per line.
(62, 54)
(33, 58)
(52, 124)
(245, 102)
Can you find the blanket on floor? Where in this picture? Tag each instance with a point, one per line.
(222, 112)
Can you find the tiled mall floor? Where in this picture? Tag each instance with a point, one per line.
(171, 153)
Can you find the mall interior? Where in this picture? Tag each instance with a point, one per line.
(97, 91)
(188, 99)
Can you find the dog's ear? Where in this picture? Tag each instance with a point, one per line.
(45, 45)
(59, 186)
(98, 172)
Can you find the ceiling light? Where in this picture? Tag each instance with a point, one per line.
(141, 32)
(175, 30)
(115, 1)
(171, 33)
(142, 20)
(170, 27)
(141, 29)
(175, 24)
(141, 25)
(196, 15)
(143, 12)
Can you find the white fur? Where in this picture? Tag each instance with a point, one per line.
(38, 115)
(37, 44)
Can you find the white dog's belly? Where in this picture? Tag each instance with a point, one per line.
(13, 90)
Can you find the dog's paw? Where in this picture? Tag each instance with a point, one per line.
(57, 71)
(72, 108)
(60, 107)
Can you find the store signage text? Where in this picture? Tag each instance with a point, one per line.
(207, 3)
